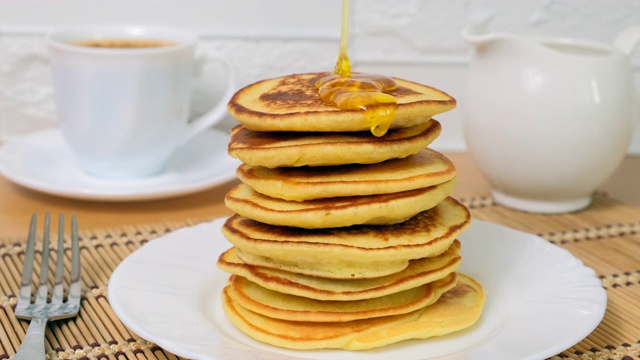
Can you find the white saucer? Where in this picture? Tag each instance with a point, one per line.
(42, 161)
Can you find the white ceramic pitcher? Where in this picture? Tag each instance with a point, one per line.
(548, 120)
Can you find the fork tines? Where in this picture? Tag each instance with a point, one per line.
(56, 308)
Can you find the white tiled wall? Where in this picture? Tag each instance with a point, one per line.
(415, 39)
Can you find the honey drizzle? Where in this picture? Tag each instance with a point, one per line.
(365, 92)
(343, 64)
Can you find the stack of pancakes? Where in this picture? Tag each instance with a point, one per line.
(342, 239)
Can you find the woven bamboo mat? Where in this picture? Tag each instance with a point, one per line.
(606, 237)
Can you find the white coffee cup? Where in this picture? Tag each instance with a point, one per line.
(124, 110)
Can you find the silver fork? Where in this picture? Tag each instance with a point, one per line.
(41, 311)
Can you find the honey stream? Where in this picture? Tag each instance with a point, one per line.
(368, 93)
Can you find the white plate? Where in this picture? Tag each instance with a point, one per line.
(42, 161)
(541, 300)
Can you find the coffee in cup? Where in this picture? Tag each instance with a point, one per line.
(124, 43)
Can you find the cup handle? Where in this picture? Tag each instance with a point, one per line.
(219, 111)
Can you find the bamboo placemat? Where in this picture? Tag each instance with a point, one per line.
(606, 237)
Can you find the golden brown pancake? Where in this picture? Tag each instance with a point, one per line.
(419, 272)
(283, 306)
(280, 149)
(424, 169)
(336, 212)
(351, 252)
(456, 309)
(291, 103)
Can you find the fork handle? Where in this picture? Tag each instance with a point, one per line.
(32, 347)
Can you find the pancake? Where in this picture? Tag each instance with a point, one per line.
(291, 103)
(424, 169)
(333, 253)
(456, 309)
(283, 149)
(335, 212)
(283, 306)
(356, 269)
(419, 272)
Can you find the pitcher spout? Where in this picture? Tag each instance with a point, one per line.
(476, 34)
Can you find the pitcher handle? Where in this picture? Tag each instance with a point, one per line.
(628, 39)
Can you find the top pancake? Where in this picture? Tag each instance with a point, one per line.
(291, 103)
